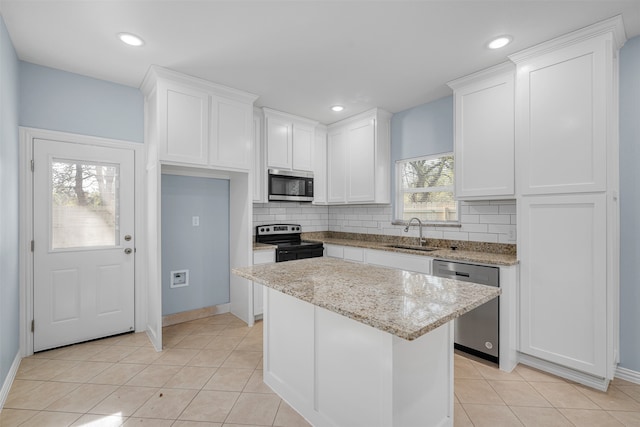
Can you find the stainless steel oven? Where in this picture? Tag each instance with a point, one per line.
(286, 185)
(287, 238)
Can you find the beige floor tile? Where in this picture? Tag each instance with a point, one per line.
(145, 355)
(15, 417)
(476, 391)
(193, 377)
(460, 417)
(47, 370)
(208, 330)
(176, 356)
(612, 400)
(29, 363)
(243, 359)
(260, 409)
(139, 339)
(118, 374)
(631, 390)
(211, 406)
(167, 403)
(493, 373)
(51, 419)
(256, 383)
(82, 372)
(229, 379)
(150, 422)
(124, 401)
(251, 343)
(154, 376)
(82, 351)
(563, 395)
(531, 374)
(224, 343)
(93, 420)
(171, 340)
(590, 418)
(630, 419)
(464, 368)
(540, 417)
(491, 416)
(619, 381)
(193, 341)
(240, 425)
(288, 417)
(519, 393)
(20, 387)
(209, 358)
(234, 331)
(83, 398)
(40, 397)
(181, 423)
(113, 354)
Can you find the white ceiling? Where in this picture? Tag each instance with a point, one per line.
(299, 56)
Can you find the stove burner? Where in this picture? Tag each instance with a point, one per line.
(289, 244)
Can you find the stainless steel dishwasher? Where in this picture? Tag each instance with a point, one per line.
(478, 331)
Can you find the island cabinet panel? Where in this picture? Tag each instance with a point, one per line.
(484, 134)
(563, 283)
(338, 372)
(261, 257)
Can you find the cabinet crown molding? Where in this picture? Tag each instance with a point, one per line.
(377, 112)
(270, 112)
(156, 72)
(482, 75)
(613, 26)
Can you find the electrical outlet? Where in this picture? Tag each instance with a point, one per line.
(512, 234)
(179, 278)
(195, 221)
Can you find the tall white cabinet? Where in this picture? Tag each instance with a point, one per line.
(567, 163)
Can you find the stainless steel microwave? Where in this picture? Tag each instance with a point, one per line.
(294, 186)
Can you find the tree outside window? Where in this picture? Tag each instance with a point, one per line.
(425, 189)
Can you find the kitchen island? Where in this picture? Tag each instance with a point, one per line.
(349, 344)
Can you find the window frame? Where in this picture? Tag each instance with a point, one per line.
(400, 191)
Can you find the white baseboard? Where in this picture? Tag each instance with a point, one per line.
(628, 375)
(561, 371)
(8, 382)
(199, 313)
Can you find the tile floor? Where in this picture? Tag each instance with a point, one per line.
(210, 374)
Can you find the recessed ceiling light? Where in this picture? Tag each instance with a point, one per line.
(130, 39)
(337, 108)
(499, 42)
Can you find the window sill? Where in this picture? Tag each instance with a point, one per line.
(431, 224)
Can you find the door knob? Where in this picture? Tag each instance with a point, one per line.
(127, 237)
(128, 251)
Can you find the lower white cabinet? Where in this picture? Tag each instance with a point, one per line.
(348, 253)
(261, 257)
(563, 282)
(408, 262)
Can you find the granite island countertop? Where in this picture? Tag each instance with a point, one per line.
(402, 303)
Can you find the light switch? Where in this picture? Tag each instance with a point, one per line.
(195, 221)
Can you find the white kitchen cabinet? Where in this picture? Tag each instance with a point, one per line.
(348, 253)
(565, 103)
(358, 159)
(563, 280)
(408, 262)
(320, 166)
(198, 122)
(261, 257)
(259, 174)
(185, 138)
(289, 141)
(484, 134)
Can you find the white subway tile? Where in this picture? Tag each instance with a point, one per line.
(472, 219)
(455, 235)
(495, 219)
(474, 228)
(501, 228)
(507, 209)
(483, 237)
(484, 209)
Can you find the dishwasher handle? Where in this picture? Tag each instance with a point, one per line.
(462, 274)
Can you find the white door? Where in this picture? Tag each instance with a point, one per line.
(83, 242)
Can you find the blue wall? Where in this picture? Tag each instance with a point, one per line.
(630, 205)
(203, 250)
(421, 131)
(57, 100)
(9, 220)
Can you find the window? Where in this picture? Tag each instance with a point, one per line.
(424, 189)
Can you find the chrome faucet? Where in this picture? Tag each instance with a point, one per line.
(421, 241)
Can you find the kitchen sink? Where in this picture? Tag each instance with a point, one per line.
(413, 247)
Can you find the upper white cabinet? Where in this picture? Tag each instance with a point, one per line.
(564, 103)
(358, 159)
(320, 165)
(199, 122)
(259, 181)
(289, 141)
(484, 134)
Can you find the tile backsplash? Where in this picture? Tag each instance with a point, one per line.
(481, 221)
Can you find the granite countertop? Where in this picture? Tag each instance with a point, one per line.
(402, 303)
(476, 256)
(263, 247)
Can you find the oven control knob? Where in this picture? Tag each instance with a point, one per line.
(298, 228)
(267, 229)
(261, 230)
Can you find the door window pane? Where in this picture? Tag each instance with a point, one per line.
(84, 204)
